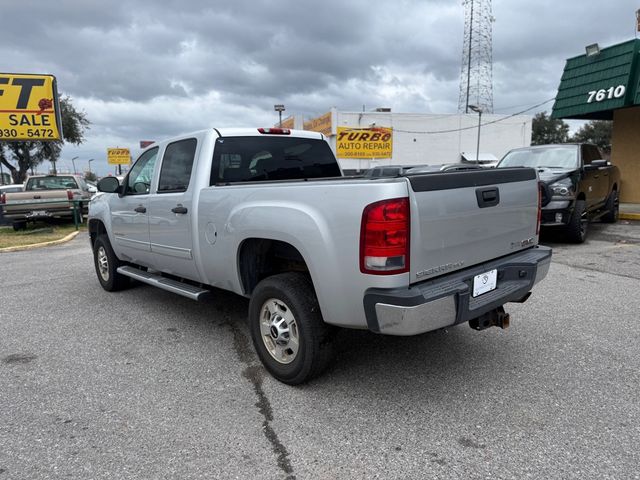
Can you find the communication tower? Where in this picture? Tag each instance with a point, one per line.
(476, 78)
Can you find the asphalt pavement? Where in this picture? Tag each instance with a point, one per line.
(146, 384)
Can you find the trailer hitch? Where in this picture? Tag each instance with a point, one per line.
(495, 318)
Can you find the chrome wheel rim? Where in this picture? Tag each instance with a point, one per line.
(103, 264)
(279, 331)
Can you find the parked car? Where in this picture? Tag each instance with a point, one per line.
(44, 197)
(444, 167)
(12, 188)
(581, 186)
(388, 170)
(267, 214)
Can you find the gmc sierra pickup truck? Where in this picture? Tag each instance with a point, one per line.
(580, 185)
(267, 214)
(45, 197)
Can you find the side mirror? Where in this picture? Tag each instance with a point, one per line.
(599, 163)
(109, 185)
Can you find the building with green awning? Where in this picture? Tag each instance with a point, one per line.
(603, 84)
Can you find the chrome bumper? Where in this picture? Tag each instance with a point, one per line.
(447, 300)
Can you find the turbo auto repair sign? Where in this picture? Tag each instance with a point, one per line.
(373, 142)
(118, 156)
(29, 107)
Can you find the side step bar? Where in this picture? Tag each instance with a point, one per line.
(173, 286)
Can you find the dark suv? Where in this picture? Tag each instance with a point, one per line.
(579, 185)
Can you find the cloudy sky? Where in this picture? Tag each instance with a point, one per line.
(151, 69)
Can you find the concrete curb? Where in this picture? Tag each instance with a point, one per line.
(32, 246)
(629, 216)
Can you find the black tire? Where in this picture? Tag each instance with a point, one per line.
(612, 207)
(106, 264)
(275, 302)
(576, 231)
(17, 226)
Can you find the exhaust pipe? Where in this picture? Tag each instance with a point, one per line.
(495, 318)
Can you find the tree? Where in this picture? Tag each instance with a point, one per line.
(547, 130)
(92, 177)
(30, 154)
(597, 132)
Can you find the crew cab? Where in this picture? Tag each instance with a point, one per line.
(45, 197)
(580, 185)
(267, 214)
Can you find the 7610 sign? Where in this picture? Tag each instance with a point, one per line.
(608, 94)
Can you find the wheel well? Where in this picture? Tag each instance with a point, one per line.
(260, 258)
(96, 227)
(581, 196)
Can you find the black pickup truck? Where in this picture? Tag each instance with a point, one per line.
(578, 185)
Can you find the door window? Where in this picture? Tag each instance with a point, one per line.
(176, 166)
(139, 179)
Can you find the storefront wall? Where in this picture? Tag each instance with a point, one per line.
(625, 152)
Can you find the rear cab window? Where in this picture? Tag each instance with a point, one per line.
(177, 163)
(52, 183)
(252, 159)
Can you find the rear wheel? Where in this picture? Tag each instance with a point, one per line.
(17, 226)
(612, 207)
(287, 329)
(578, 225)
(106, 264)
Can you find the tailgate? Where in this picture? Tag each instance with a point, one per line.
(461, 219)
(42, 200)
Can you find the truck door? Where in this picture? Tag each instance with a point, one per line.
(129, 216)
(171, 212)
(596, 181)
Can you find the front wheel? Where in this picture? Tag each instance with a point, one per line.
(578, 223)
(106, 264)
(287, 329)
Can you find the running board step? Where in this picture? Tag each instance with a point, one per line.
(174, 286)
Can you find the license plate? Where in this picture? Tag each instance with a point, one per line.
(485, 282)
(38, 213)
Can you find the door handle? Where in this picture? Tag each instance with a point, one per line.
(179, 209)
(140, 209)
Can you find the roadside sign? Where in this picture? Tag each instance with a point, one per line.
(29, 108)
(373, 142)
(118, 156)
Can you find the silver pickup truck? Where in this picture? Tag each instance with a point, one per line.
(267, 214)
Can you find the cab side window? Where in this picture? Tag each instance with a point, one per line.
(176, 166)
(139, 179)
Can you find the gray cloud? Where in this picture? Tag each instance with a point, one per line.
(148, 69)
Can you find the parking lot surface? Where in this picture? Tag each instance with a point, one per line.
(146, 384)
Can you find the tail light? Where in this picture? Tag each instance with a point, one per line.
(384, 237)
(69, 194)
(540, 187)
(3, 198)
(275, 131)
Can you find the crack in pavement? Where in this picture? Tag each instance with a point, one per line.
(254, 372)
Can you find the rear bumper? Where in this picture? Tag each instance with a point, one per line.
(447, 300)
(39, 213)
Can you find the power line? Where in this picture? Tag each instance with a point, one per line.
(476, 126)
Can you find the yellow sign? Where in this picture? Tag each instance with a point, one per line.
(374, 142)
(118, 156)
(29, 108)
(320, 124)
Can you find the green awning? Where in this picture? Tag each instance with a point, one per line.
(593, 86)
